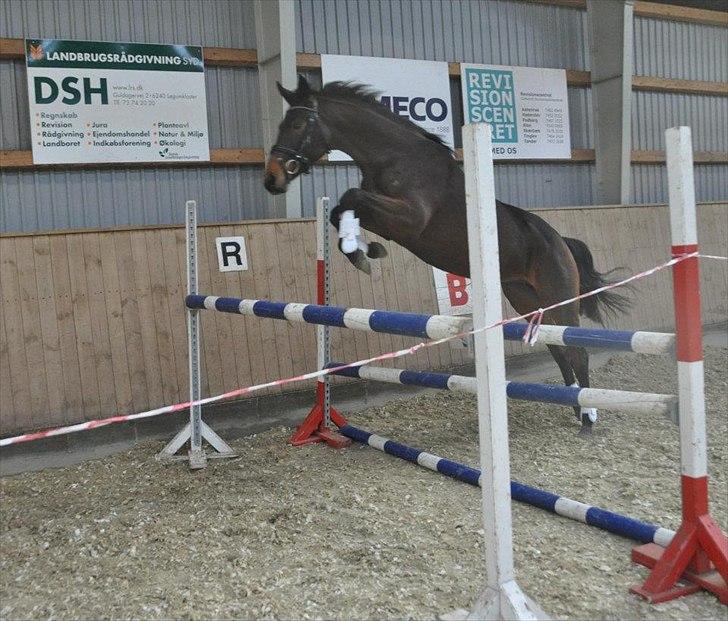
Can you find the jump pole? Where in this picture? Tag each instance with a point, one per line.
(432, 326)
(699, 544)
(609, 521)
(571, 396)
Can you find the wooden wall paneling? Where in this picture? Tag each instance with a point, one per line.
(428, 357)
(409, 302)
(391, 269)
(288, 292)
(655, 222)
(31, 327)
(250, 326)
(356, 338)
(343, 343)
(713, 230)
(375, 341)
(114, 317)
(442, 355)
(17, 355)
(395, 293)
(302, 280)
(214, 347)
(175, 275)
(49, 329)
(230, 287)
(8, 409)
(268, 352)
(224, 324)
(162, 315)
(136, 350)
(272, 271)
(139, 284)
(99, 323)
(73, 387)
(379, 298)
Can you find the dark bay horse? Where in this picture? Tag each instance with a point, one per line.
(413, 193)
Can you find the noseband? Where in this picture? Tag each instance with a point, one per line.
(294, 161)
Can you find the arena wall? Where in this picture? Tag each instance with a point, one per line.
(92, 322)
(543, 33)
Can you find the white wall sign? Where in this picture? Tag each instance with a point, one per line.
(453, 293)
(416, 89)
(527, 109)
(231, 254)
(93, 101)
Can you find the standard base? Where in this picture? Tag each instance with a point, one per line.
(331, 437)
(313, 430)
(508, 603)
(650, 553)
(197, 458)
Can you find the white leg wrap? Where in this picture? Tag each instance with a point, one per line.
(591, 413)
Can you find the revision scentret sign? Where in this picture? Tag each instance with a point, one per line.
(492, 100)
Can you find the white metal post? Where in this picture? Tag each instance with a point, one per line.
(196, 430)
(503, 598)
(193, 337)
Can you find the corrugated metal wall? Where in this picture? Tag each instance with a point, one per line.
(686, 51)
(504, 32)
(123, 197)
(497, 31)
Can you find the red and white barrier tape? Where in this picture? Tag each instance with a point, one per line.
(532, 333)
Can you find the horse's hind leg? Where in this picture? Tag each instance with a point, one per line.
(576, 358)
(573, 362)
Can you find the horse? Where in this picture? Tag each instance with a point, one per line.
(413, 193)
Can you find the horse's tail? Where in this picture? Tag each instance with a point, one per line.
(589, 279)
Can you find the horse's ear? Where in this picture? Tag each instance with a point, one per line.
(304, 88)
(289, 96)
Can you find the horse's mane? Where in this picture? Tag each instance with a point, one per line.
(363, 94)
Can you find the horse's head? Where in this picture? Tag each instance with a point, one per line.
(300, 141)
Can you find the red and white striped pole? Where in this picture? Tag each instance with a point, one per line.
(699, 543)
(317, 425)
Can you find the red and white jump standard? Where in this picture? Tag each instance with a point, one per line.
(316, 427)
(698, 555)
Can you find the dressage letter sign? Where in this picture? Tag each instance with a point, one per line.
(416, 89)
(96, 102)
(453, 293)
(526, 108)
(231, 254)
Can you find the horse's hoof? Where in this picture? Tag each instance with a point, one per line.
(359, 261)
(586, 431)
(376, 251)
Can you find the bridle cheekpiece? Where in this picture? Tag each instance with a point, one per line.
(294, 161)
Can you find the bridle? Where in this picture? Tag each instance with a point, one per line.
(294, 161)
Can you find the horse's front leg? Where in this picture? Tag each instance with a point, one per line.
(377, 213)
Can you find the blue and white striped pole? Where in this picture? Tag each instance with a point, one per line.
(566, 507)
(431, 326)
(574, 396)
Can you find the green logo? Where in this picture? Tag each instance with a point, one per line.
(163, 152)
(491, 99)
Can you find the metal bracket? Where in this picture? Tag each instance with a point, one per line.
(198, 458)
